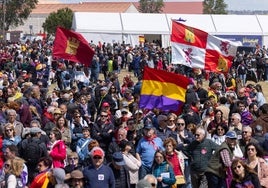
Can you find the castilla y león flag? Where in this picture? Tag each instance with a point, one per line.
(197, 49)
(72, 46)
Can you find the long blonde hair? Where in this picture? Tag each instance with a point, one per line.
(16, 166)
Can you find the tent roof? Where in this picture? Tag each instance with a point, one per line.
(138, 23)
(237, 24)
(97, 22)
(200, 21)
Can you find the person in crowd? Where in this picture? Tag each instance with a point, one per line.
(146, 148)
(258, 135)
(201, 92)
(219, 136)
(44, 137)
(87, 108)
(120, 171)
(171, 122)
(151, 179)
(162, 170)
(131, 162)
(57, 149)
(10, 137)
(31, 150)
(262, 120)
(200, 151)
(254, 110)
(103, 97)
(243, 176)
(176, 159)
(218, 120)
(98, 174)
(246, 138)
(235, 124)
(223, 108)
(162, 131)
(218, 172)
(246, 117)
(82, 144)
(143, 184)
(13, 169)
(11, 118)
(259, 96)
(42, 178)
(77, 179)
(76, 126)
(72, 164)
(183, 138)
(103, 130)
(230, 83)
(254, 159)
(62, 125)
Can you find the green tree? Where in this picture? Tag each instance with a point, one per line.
(151, 6)
(63, 17)
(214, 7)
(14, 12)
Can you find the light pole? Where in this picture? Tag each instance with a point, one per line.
(4, 20)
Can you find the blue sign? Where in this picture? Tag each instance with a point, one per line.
(246, 40)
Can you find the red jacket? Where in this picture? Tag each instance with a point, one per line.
(58, 154)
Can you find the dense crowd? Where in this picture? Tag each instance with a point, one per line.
(63, 126)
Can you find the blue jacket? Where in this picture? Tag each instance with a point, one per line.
(164, 167)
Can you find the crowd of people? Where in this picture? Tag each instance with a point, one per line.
(63, 126)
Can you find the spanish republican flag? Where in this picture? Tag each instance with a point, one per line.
(197, 49)
(72, 46)
(162, 90)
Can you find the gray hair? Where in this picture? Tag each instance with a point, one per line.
(237, 115)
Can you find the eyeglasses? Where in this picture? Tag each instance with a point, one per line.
(251, 149)
(77, 116)
(9, 130)
(103, 115)
(244, 132)
(97, 157)
(180, 124)
(171, 120)
(73, 158)
(197, 135)
(236, 167)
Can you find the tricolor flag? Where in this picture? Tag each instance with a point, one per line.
(197, 49)
(162, 90)
(72, 46)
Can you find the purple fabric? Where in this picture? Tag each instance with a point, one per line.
(160, 102)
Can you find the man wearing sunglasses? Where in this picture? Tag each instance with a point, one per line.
(98, 174)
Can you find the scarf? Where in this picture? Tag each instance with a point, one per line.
(150, 140)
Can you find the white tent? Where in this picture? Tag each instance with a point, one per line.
(128, 27)
(104, 27)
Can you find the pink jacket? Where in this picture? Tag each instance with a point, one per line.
(58, 154)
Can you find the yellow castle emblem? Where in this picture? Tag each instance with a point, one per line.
(72, 45)
(189, 36)
(222, 65)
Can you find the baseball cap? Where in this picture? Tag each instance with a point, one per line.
(118, 159)
(105, 104)
(97, 151)
(35, 130)
(149, 126)
(231, 134)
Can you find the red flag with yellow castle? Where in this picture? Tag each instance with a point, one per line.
(198, 49)
(72, 46)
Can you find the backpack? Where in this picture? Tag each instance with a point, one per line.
(67, 76)
(32, 152)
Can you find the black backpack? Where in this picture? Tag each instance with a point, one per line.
(32, 152)
(67, 76)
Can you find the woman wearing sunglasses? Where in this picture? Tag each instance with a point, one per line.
(243, 175)
(254, 159)
(13, 169)
(10, 137)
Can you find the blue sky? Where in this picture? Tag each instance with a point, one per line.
(232, 4)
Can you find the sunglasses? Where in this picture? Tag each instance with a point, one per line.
(244, 132)
(77, 116)
(73, 158)
(9, 130)
(104, 116)
(180, 124)
(237, 167)
(251, 149)
(97, 157)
